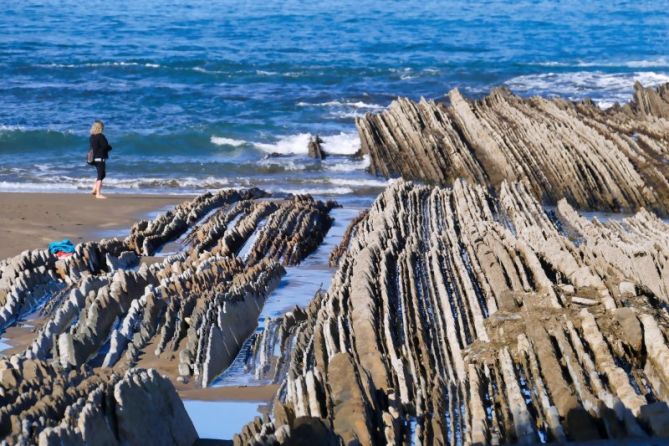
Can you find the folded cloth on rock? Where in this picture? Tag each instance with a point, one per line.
(64, 245)
(61, 254)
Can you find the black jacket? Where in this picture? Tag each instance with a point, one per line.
(100, 146)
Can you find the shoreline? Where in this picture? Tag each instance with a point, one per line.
(31, 220)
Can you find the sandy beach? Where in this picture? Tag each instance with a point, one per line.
(32, 220)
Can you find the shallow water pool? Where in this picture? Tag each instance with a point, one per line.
(221, 420)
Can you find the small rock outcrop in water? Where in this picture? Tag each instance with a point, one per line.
(608, 160)
(459, 318)
(315, 148)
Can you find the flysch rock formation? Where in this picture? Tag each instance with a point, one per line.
(32, 278)
(614, 159)
(457, 317)
(42, 404)
(102, 313)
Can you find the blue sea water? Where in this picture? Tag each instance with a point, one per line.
(196, 94)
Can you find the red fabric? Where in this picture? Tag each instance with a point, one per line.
(61, 254)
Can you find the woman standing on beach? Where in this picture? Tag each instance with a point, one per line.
(100, 148)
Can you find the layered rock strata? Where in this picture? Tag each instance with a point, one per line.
(41, 404)
(200, 304)
(615, 159)
(101, 315)
(459, 318)
(146, 236)
(33, 277)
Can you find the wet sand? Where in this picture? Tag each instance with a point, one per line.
(33, 220)
(230, 393)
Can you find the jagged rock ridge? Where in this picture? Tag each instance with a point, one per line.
(458, 318)
(616, 159)
(42, 404)
(201, 303)
(103, 314)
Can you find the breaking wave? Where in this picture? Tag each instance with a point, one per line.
(660, 62)
(222, 141)
(604, 88)
(338, 144)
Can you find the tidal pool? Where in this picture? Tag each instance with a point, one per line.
(221, 420)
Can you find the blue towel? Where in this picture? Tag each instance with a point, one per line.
(61, 246)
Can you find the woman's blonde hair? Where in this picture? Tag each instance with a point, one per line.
(97, 127)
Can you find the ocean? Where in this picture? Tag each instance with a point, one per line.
(201, 95)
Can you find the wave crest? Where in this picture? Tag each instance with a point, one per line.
(223, 141)
(603, 88)
(298, 144)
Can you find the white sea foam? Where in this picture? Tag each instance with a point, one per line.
(287, 145)
(343, 104)
(276, 73)
(341, 144)
(223, 141)
(283, 163)
(11, 186)
(312, 190)
(169, 183)
(604, 88)
(204, 70)
(345, 109)
(68, 183)
(100, 64)
(349, 166)
(346, 114)
(408, 73)
(11, 128)
(660, 62)
(360, 182)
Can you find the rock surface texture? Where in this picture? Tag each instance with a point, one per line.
(616, 159)
(459, 318)
(45, 405)
(102, 314)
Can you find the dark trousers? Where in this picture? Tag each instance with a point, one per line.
(102, 170)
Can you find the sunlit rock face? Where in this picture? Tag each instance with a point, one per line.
(613, 159)
(43, 404)
(104, 311)
(458, 317)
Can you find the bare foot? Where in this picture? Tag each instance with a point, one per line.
(93, 193)
(100, 197)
